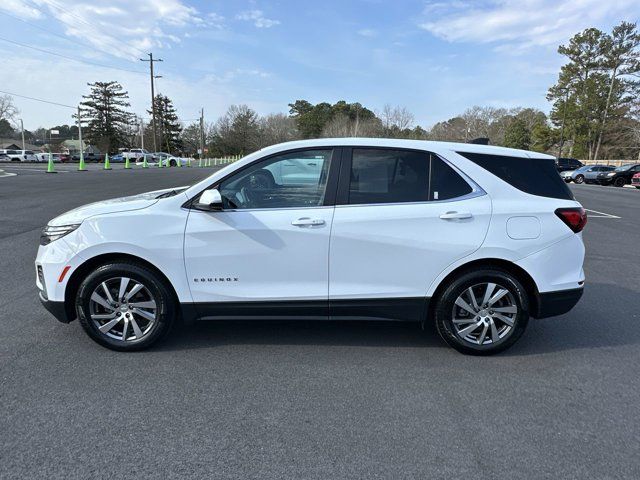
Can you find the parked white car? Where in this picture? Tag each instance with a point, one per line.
(20, 155)
(474, 238)
(136, 154)
(44, 157)
(172, 161)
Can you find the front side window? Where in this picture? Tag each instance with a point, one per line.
(295, 179)
(402, 176)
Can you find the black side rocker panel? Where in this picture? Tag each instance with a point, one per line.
(399, 309)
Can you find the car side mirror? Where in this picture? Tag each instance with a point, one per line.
(210, 200)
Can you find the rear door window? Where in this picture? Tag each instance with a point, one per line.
(401, 176)
(536, 176)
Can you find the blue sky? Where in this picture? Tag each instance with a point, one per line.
(437, 58)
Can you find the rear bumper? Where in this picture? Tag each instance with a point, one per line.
(57, 309)
(551, 304)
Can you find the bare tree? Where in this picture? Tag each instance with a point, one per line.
(343, 126)
(8, 110)
(399, 118)
(277, 128)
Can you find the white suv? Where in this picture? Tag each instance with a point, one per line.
(475, 238)
(20, 155)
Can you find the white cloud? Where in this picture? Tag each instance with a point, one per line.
(523, 22)
(121, 27)
(367, 32)
(258, 18)
(20, 9)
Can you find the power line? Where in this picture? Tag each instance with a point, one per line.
(95, 64)
(52, 3)
(38, 99)
(51, 32)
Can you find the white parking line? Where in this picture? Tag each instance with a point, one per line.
(601, 214)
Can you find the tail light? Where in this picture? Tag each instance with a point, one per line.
(575, 218)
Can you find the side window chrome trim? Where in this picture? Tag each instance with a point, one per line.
(228, 210)
(468, 196)
(476, 189)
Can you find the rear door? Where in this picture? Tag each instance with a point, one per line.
(402, 216)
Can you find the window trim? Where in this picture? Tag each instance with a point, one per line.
(342, 198)
(330, 189)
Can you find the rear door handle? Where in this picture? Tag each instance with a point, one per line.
(455, 215)
(307, 222)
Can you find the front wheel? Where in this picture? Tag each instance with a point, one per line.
(579, 179)
(619, 182)
(482, 312)
(125, 306)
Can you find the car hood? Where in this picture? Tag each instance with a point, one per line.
(114, 205)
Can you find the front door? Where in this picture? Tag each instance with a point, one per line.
(401, 218)
(268, 249)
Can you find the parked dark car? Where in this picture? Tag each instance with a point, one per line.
(635, 180)
(620, 176)
(88, 157)
(563, 164)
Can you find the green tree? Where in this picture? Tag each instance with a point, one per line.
(104, 116)
(622, 60)
(314, 121)
(169, 126)
(517, 135)
(6, 130)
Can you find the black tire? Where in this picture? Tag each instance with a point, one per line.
(638, 187)
(444, 310)
(619, 182)
(579, 179)
(161, 293)
(173, 163)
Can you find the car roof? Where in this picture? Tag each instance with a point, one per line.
(429, 145)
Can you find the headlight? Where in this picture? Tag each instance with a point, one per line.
(49, 233)
(610, 174)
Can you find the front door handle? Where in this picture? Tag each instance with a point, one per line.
(455, 215)
(308, 222)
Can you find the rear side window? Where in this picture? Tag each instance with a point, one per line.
(535, 176)
(445, 182)
(402, 176)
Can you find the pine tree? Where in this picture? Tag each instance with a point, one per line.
(517, 135)
(104, 116)
(169, 126)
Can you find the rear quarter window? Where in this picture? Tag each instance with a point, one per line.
(536, 176)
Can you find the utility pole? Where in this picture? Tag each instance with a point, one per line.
(22, 128)
(153, 97)
(142, 133)
(201, 133)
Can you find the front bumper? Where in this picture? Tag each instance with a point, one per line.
(57, 309)
(551, 304)
(604, 180)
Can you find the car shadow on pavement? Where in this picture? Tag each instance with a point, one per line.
(604, 317)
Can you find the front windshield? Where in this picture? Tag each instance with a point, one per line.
(624, 168)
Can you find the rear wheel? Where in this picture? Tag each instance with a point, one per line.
(173, 163)
(482, 312)
(619, 182)
(579, 179)
(125, 306)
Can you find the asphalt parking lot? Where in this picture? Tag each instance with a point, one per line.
(305, 400)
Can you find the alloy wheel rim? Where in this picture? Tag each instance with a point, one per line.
(123, 309)
(484, 314)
